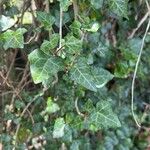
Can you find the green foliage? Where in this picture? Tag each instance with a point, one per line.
(91, 78)
(6, 23)
(103, 116)
(120, 7)
(81, 60)
(46, 19)
(59, 127)
(48, 46)
(72, 45)
(64, 4)
(40, 63)
(14, 39)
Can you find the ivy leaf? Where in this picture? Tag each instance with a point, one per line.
(59, 127)
(102, 76)
(51, 106)
(94, 27)
(122, 69)
(48, 46)
(14, 39)
(76, 28)
(119, 7)
(6, 23)
(46, 19)
(44, 66)
(81, 74)
(64, 4)
(72, 44)
(97, 3)
(103, 116)
(88, 106)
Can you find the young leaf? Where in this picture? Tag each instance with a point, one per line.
(48, 46)
(72, 44)
(76, 28)
(14, 39)
(103, 116)
(81, 74)
(59, 127)
(46, 19)
(44, 66)
(51, 106)
(119, 7)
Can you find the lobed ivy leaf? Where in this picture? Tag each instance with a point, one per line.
(14, 39)
(64, 4)
(48, 46)
(44, 66)
(90, 78)
(81, 74)
(72, 44)
(6, 23)
(46, 19)
(101, 76)
(59, 127)
(97, 3)
(103, 116)
(119, 7)
(76, 28)
(51, 106)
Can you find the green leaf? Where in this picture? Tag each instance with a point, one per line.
(90, 78)
(51, 106)
(119, 7)
(88, 106)
(81, 74)
(93, 28)
(6, 23)
(76, 28)
(72, 44)
(103, 116)
(44, 66)
(97, 3)
(59, 127)
(102, 76)
(64, 4)
(131, 48)
(14, 39)
(122, 69)
(47, 20)
(48, 46)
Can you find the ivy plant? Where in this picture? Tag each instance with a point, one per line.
(78, 60)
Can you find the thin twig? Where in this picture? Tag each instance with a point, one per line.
(75, 8)
(134, 76)
(139, 25)
(22, 114)
(11, 66)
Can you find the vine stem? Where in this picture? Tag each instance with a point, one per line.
(135, 73)
(77, 108)
(60, 27)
